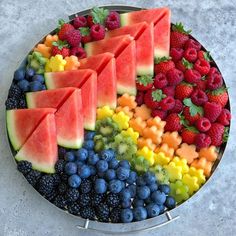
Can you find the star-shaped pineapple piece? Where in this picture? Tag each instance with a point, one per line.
(122, 120)
(56, 63)
(161, 159)
(104, 112)
(182, 163)
(202, 163)
(191, 182)
(131, 133)
(199, 173)
(175, 172)
(147, 154)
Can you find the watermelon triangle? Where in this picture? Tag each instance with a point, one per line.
(48, 98)
(69, 122)
(97, 62)
(113, 45)
(126, 70)
(22, 122)
(106, 87)
(41, 147)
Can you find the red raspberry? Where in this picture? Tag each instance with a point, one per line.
(64, 29)
(90, 21)
(174, 76)
(201, 84)
(183, 91)
(188, 135)
(80, 21)
(113, 20)
(173, 122)
(216, 132)
(179, 65)
(213, 70)
(86, 38)
(65, 52)
(202, 141)
(167, 103)
(214, 81)
(73, 37)
(212, 111)
(203, 124)
(192, 44)
(192, 76)
(190, 54)
(78, 51)
(160, 81)
(178, 107)
(139, 98)
(160, 113)
(199, 97)
(190, 118)
(169, 91)
(224, 117)
(202, 66)
(97, 32)
(176, 54)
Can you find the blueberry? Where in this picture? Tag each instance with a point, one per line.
(19, 74)
(113, 163)
(107, 155)
(79, 163)
(29, 73)
(140, 213)
(44, 87)
(88, 144)
(153, 187)
(143, 192)
(100, 186)
(148, 200)
(140, 181)
(126, 203)
(170, 202)
(69, 156)
(162, 208)
(152, 210)
(74, 181)
(158, 197)
(70, 168)
(23, 85)
(110, 174)
(132, 189)
(164, 188)
(84, 171)
(102, 166)
(125, 194)
(93, 170)
(126, 215)
(138, 202)
(81, 154)
(125, 164)
(132, 177)
(115, 186)
(35, 86)
(90, 153)
(93, 159)
(89, 135)
(122, 173)
(39, 78)
(101, 174)
(149, 177)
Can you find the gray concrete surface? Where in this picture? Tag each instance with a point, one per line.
(22, 211)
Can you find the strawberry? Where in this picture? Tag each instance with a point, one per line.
(144, 82)
(188, 134)
(202, 141)
(216, 133)
(219, 96)
(173, 122)
(61, 48)
(179, 36)
(183, 65)
(153, 97)
(162, 65)
(64, 28)
(183, 90)
(212, 111)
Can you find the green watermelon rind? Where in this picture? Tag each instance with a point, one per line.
(124, 19)
(145, 70)
(124, 89)
(29, 100)
(49, 81)
(74, 144)
(88, 49)
(160, 53)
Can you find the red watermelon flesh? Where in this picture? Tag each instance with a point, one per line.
(48, 98)
(69, 122)
(70, 78)
(41, 147)
(126, 70)
(145, 52)
(107, 85)
(113, 45)
(22, 122)
(97, 62)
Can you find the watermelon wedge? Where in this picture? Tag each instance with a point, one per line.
(48, 98)
(73, 77)
(126, 70)
(69, 122)
(113, 45)
(41, 147)
(22, 122)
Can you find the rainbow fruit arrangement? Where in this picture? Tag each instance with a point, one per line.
(118, 117)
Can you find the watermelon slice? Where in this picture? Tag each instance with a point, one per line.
(126, 70)
(22, 122)
(71, 77)
(69, 122)
(41, 147)
(48, 98)
(113, 45)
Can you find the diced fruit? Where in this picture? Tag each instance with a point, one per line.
(41, 147)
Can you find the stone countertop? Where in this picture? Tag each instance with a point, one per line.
(22, 211)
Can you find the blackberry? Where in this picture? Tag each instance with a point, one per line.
(22, 103)
(14, 92)
(60, 201)
(96, 199)
(87, 213)
(115, 215)
(11, 103)
(61, 152)
(74, 208)
(62, 187)
(86, 186)
(51, 195)
(57, 179)
(64, 177)
(113, 200)
(84, 199)
(46, 185)
(59, 167)
(24, 167)
(33, 176)
(72, 195)
(103, 212)
(93, 178)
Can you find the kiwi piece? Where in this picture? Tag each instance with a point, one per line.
(161, 174)
(100, 143)
(140, 164)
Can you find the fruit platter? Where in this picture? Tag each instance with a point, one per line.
(118, 116)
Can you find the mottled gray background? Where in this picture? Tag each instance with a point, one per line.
(22, 211)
